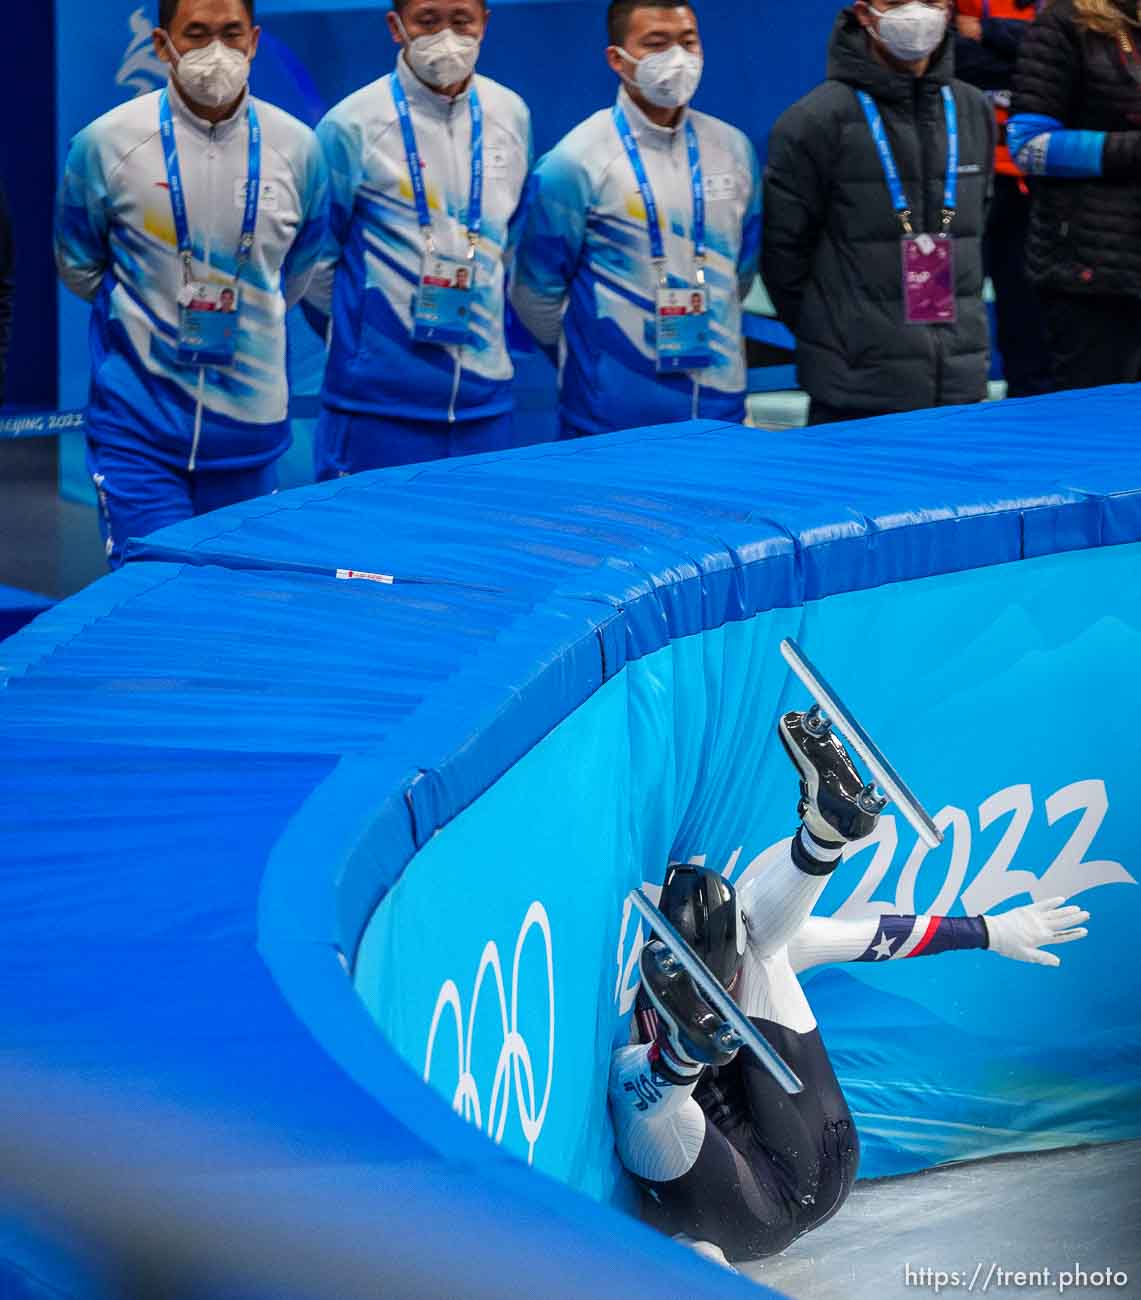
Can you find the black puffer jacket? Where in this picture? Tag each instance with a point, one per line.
(832, 239)
(1085, 235)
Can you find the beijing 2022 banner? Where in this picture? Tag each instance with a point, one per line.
(503, 965)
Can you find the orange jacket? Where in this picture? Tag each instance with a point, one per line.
(997, 9)
(1004, 164)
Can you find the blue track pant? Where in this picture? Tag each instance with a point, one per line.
(347, 443)
(139, 494)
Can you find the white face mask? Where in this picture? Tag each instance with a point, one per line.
(443, 59)
(912, 31)
(212, 76)
(667, 78)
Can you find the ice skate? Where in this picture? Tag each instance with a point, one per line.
(691, 1035)
(886, 777)
(836, 805)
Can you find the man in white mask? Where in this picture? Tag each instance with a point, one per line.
(876, 191)
(191, 219)
(427, 168)
(642, 211)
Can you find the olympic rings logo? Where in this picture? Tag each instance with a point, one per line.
(514, 1065)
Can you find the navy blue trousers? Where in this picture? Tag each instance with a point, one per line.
(348, 443)
(138, 494)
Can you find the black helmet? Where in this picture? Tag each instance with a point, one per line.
(703, 908)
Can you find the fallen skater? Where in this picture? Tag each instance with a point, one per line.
(730, 1162)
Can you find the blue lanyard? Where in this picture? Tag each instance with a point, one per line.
(657, 246)
(178, 193)
(891, 171)
(416, 171)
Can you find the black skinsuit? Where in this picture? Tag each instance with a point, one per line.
(772, 1166)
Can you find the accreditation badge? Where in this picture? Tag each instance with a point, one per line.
(928, 279)
(208, 324)
(441, 310)
(683, 330)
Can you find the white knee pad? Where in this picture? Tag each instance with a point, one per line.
(659, 1129)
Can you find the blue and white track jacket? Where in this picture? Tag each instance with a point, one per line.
(584, 277)
(370, 275)
(116, 248)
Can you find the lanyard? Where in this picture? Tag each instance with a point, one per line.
(178, 194)
(416, 170)
(657, 247)
(891, 171)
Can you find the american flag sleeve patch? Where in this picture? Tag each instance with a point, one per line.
(924, 936)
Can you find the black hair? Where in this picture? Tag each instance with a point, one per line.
(401, 5)
(168, 11)
(618, 15)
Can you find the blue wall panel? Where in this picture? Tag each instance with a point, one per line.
(676, 760)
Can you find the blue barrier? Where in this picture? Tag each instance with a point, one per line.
(391, 750)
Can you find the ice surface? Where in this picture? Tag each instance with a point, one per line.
(1058, 1210)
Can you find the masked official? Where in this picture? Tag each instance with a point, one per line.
(641, 240)
(427, 168)
(190, 219)
(876, 193)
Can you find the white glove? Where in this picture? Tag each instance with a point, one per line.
(1022, 932)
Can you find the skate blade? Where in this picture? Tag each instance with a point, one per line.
(888, 778)
(713, 993)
